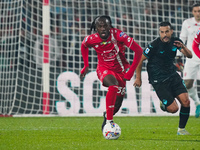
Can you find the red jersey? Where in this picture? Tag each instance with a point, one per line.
(110, 53)
(196, 43)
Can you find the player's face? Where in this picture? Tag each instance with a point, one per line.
(196, 13)
(165, 33)
(103, 28)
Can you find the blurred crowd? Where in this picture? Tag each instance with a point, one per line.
(70, 22)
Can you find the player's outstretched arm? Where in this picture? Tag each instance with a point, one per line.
(186, 52)
(138, 79)
(138, 53)
(195, 47)
(84, 52)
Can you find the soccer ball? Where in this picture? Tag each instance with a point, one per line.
(111, 131)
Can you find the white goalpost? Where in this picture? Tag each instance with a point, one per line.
(40, 57)
(45, 64)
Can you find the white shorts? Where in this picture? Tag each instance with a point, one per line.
(191, 69)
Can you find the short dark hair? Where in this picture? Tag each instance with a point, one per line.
(195, 5)
(165, 23)
(93, 26)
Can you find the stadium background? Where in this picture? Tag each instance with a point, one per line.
(21, 91)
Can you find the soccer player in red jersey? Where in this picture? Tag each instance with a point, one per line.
(109, 44)
(196, 43)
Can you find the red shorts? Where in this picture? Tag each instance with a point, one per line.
(102, 72)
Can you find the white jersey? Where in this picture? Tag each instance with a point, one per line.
(188, 32)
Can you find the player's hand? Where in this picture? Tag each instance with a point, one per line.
(137, 83)
(83, 72)
(179, 44)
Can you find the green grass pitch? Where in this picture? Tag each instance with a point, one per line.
(84, 133)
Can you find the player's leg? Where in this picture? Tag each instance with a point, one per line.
(107, 77)
(184, 113)
(111, 82)
(192, 91)
(189, 74)
(167, 91)
(173, 107)
(118, 104)
(164, 93)
(120, 93)
(180, 92)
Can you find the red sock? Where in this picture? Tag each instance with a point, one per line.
(110, 101)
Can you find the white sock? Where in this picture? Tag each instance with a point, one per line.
(193, 94)
(180, 129)
(108, 121)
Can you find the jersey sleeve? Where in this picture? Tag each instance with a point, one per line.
(148, 51)
(85, 52)
(196, 43)
(130, 43)
(124, 38)
(86, 41)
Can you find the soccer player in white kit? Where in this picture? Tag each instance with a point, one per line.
(192, 66)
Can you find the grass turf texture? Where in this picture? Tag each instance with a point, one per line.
(84, 133)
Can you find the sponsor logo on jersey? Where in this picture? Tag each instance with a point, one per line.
(109, 55)
(104, 43)
(125, 36)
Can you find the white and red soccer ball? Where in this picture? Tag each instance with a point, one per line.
(111, 131)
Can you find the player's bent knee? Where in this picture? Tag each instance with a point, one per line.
(186, 103)
(172, 108)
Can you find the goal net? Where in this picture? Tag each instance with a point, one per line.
(40, 57)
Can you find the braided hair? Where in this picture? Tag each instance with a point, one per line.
(93, 25)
